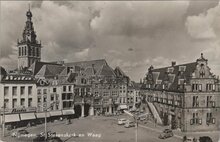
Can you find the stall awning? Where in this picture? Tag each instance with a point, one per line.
(123, 107)
(27, 116)
(55, 113)
(12, 118)
(42, 114)
(68, 111)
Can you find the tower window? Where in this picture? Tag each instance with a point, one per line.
(25, 51)
(37, 50)
(22, 51)
(19, 51)
(33, 51)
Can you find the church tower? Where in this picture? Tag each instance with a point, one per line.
(29, 49)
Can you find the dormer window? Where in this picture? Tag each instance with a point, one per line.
(181, 81)
(182, 68)
(158, 82)
(170, 70)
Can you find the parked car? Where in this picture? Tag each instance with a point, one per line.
(205, 139)
(121, 121)
(166, 134)
(189, 139)
(19, 132)
(129, 124)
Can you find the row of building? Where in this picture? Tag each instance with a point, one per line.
(183, 96)
(84, 88)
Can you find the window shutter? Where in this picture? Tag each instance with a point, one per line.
(213, 120)
(200, 121)
(213, 87)
(213, 104)
(200, 87)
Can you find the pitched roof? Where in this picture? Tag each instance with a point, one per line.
(2, 71)
(119, 72)
(96, 64)
(106, 70)
(50, 71)
(36, 66)
(172, 77)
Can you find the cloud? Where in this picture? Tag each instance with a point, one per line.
(132, 35)
(137, 18)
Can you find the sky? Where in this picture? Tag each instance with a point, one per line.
(131, 35)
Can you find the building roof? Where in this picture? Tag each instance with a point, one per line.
(96, 64)
(106, 70)
(36, 66)
(170, 75)
(18, 78)
(119, 72)
(2, 71)
(50, 71)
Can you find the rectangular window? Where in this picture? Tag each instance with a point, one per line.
(22, 102)
(38, 91)
(14, 103)
(64, 88)
(195, 102)
(45, 99)
(52, 98)
(14, 91)
(6, 104)
(63, 96)
(30, 102)
(29, 90)
(22, 90)
(70, 88)
(45, 91)
(39, 99)
(54, 90)
(6, 91)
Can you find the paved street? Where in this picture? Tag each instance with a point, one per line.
(96, 129)
(102, 129)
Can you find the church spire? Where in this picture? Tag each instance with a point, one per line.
(29, 49)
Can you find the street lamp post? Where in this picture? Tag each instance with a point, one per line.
(136, 124)
(45, 119)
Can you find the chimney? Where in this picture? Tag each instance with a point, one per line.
(173, 63)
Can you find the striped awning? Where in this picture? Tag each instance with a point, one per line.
(42, 114)
(12, 118)
(55, 113)
(68, 111)
(27, 116)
